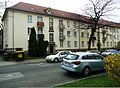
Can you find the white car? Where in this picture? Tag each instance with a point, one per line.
(109, 52)
(57, 57)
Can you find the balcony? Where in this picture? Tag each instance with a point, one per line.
(40, 24)
(61, 26)
(62, 37)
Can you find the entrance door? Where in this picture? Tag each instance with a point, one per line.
(51, 49)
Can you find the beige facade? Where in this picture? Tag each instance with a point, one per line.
(61, 33)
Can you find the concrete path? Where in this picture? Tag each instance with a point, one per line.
(5, 63)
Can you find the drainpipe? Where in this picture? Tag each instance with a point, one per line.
(79, 38)
(13, 28)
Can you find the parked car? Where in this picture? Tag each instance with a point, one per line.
(57, 57)
(83, 62)
(2, 51)
(94, 51)
(109, 52)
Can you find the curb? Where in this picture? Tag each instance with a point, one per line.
(34, 61)
(7, 63)
(21, 62)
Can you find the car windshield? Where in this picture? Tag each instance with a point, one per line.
(72, 57)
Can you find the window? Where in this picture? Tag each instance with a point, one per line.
(115, 43)
(87, 35)
(72, 57)
(68, 23)
(107, 43)
(87, 57)
(39, 19)
(51, 24)
(93, 43)
(110, 36)
(82, 43)
(110, 43)
(68, 44)
(118, 37)
(74, 24)
(29, 30)
(87, 43)
(75, 33)
(60, 22)
(30, 18)
(51, 37)
(82, 34)
(61, 32)
(40, 30)
(75, 43)
(68, 33)
(61, 44)
(114, 36)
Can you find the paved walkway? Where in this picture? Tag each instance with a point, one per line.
(5, 63)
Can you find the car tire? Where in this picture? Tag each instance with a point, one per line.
(56, 60)
(86, 71)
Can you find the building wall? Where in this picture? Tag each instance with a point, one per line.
(16, 32)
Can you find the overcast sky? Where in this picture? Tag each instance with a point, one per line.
(74, 6)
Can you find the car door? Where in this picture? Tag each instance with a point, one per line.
(98, 62)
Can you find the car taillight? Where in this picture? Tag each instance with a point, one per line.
(76, 62)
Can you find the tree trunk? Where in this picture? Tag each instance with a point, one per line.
(90, 39)
(93, 30)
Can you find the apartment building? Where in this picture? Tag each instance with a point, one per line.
(63, 30)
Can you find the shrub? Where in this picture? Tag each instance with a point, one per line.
(112, 67)
(32, 43)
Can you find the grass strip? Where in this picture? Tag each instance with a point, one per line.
(99, 81)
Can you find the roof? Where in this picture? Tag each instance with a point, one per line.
(21, 6)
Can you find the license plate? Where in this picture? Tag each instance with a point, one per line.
(66, 64)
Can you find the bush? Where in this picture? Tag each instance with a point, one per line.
(112, 67)
(32, 43)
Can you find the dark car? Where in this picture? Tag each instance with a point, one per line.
(2, 51)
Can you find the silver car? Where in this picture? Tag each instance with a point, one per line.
(83, 62)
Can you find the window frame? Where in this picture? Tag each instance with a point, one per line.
(29, 19)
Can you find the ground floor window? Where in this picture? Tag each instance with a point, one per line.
(68, 43)
(75, 43)
(61, 44)
(82, 43)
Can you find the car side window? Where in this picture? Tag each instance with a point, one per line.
(87, 57)
(98, 57)
(62, 53)
(84, 57)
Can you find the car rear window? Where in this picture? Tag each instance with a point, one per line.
(72, 57)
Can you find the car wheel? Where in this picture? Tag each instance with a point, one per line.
(86, 71)
(55, 60)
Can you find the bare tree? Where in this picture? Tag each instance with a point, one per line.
(96, 9)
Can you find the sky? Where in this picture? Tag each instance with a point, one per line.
(74, 6)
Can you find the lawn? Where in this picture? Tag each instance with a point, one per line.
(27, 57)
(99, 81)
